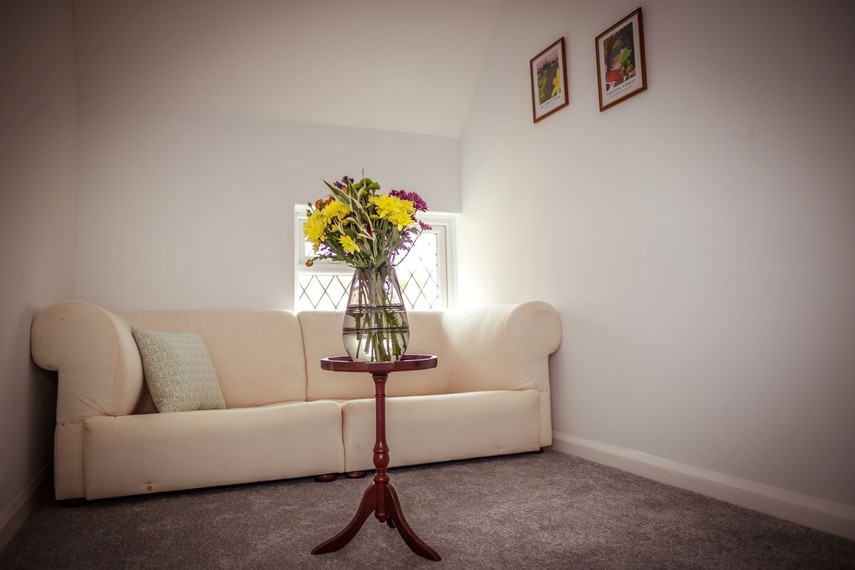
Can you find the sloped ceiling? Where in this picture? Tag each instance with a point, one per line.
(400, 65)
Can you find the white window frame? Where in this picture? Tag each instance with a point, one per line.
(443, 224)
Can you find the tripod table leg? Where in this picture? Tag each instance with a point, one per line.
(416, 544)
(366, 507)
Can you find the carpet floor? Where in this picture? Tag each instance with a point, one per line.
(523, 511)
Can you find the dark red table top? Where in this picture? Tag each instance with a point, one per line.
(407, 362)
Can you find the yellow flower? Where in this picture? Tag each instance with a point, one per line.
(315, 228)
(399, 212)
(348, 244)
(336, 209)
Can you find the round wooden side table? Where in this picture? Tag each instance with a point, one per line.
(380, 498)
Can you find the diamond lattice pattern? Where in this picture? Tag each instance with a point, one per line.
(418, 275)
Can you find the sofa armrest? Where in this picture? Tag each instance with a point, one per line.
(503, 347)
(99, 366)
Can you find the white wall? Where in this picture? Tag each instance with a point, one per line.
(38, 126)
(698, 238)
(379, 64)
(186, 210)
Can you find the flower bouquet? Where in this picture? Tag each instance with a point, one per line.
(372, 232)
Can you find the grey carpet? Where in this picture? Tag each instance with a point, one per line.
(524, 511)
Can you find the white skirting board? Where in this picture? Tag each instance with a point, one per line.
(827, 516)
(14, 515)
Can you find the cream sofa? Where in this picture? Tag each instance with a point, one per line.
(285, 417)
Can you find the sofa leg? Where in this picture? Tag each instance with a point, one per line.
(537, 451)
(325, 478)
(355, 474)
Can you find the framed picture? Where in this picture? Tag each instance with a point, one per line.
(621, 71)
(549, 81)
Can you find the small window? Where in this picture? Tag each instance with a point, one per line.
(425, 275)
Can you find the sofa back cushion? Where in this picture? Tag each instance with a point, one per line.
(258, 354)
(322, 338)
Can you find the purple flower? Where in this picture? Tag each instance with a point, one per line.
(343, 184)
(425, 227)
(413, 197)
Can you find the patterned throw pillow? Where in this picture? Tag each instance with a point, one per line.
(178, 371)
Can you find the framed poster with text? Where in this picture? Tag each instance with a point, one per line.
(549, 81)
(621, 70)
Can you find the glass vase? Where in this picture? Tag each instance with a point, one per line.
(375, 328)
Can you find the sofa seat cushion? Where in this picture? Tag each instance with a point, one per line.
(426, 429)
(147, 453)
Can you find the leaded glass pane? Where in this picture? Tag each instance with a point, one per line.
(418, 275)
